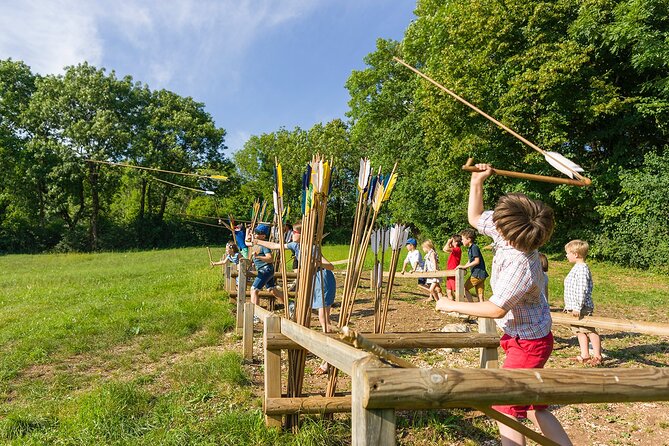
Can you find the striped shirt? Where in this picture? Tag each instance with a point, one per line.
(578, 289)
(518, 285)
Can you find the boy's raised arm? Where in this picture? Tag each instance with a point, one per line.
(475, 208)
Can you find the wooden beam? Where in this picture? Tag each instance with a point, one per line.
(399, 341)
(272, 369)
(307, 405)
(650, 328)
(488, 356)
(227, 272)
(424, 274)
(241, 286)
(369, 427)
(262, 294)
(331, 350)
(277, 274)
(247, 339)
(442, 388)
(263, 314)
(459, 285)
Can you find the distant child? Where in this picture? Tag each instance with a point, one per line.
(414, 259)
(578, 301)
(518, 302)
(478, 272)
(264, 263)
(452, 247)
(431, 265)
(544, 266)
(232, 255)
(240, 238)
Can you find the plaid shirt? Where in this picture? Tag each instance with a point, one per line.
(518, 285)
(578, 288)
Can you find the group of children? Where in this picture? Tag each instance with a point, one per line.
(518, 226)
(476, 280)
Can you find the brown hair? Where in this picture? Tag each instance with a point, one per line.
(297, 226)
(544, 261)
(233, 246)
(457, 238)
(578, 247)
(468, 233)
(525, 223)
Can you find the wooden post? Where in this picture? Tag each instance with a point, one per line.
(369, 426)
(227, 273)
(459, 285)
(241, 295)
(272, 325)
(488, 356)
(248, 331)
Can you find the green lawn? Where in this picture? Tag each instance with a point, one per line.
(137, 348)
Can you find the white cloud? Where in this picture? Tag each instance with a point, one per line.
(48, 35)
(166, 39)
(236, 140)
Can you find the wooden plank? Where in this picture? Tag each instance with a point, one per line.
(441, 388)
(262, 314)
(459, 285)
(272, 369)
(650, 328)
(241, 268)
(488, 356)
(227, 272)
(329, 349)
(340, 262)
(307, 405)
(247, 339)
(262, 294)
(424, 274)
(277, 274)
(399, 341)
(369, 427)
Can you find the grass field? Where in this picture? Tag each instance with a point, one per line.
(137, 348)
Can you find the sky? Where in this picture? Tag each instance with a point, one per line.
(257, 65)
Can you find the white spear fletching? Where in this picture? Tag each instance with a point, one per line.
(363, 175)
(405, 237)
(276, 201)
(563, 164)
(386, 243)
(374, 242)
(209, 192)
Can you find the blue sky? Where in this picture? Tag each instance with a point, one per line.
(258, 65)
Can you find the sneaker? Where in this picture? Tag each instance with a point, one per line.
(256, 320)
(291, 310)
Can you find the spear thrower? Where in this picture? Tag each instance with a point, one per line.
(560, 162)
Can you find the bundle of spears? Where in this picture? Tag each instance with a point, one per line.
(373, 191)
(316, 184)
(394, 238)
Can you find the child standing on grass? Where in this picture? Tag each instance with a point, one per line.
(518, 303)
(432, 265)
(478, 273)
(414, 259)
(578, 301)
(452, 247)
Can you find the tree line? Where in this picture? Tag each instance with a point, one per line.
(588, 79)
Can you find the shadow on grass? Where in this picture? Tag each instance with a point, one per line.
(621, 356)
(437, 425)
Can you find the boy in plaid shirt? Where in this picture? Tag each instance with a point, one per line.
(578, 301)
(518, 227)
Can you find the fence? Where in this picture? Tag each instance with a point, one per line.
(378, 389)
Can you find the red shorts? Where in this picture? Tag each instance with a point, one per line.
(524, 354)
(450, 283)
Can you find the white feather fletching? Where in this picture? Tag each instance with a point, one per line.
(563, 164)
(375, 241)
(363, 174)
(276, 201)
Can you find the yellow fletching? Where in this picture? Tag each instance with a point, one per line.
(218, 177)
(389, 187)
(279, 179)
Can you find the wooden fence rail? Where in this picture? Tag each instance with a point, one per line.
(606, 323)
(442, 388)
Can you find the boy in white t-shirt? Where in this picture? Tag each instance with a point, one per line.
(414, 259)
